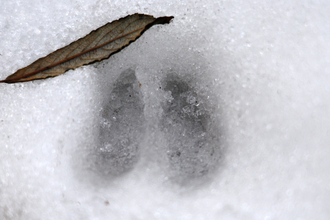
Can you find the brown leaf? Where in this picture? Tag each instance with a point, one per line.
(96, 46)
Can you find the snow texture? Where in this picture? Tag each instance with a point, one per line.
(228, 116)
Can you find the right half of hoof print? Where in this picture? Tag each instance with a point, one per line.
(193, 146)
(122, 127)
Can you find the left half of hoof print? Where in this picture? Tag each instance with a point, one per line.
(122, 127)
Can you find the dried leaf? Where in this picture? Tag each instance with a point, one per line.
(95, 46)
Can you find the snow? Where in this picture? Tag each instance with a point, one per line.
(260, 71)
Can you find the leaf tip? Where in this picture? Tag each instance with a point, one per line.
(7, 81)
(163, 20)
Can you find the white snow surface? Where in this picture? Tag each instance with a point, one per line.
(260, 67)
